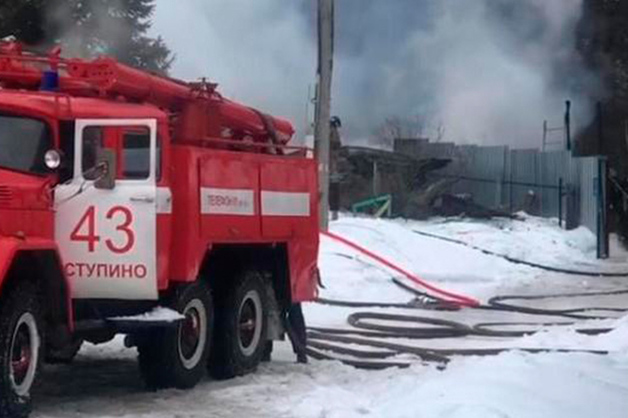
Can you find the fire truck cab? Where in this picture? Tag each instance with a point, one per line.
(136, 204)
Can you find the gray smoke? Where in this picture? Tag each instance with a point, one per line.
(81, 42)
(489, 71)
(260, 52)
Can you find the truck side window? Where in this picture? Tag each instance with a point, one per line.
(136, 154)
(92, 143)
(23, 143)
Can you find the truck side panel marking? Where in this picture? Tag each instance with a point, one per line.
(241, 202)
(285, 203)
(227, 201)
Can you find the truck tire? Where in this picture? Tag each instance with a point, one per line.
(177, 356)
(20, 348)
(241, 324)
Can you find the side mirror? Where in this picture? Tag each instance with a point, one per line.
(106, 163)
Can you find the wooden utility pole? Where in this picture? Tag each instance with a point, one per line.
(323, 103)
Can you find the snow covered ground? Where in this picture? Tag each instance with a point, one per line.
(104, 381)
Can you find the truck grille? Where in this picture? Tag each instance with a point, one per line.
(6, 194)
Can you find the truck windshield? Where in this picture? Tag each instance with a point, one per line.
(23, 143)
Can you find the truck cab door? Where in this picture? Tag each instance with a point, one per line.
(107, 238)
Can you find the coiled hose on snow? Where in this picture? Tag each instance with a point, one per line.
(369, 330)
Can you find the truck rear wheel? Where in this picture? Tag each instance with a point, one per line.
(20, 349)
(241, 323)
(176, 356)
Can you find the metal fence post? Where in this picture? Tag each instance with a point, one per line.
(568, 124)
(510, 191)
(602, 227)
(560, 202)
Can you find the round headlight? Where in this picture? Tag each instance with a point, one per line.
(52, 159)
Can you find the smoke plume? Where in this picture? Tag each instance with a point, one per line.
(82, 40)
(488, 71)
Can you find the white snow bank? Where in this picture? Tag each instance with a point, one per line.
(514, 385)
(455, 267)
(451, 267)
(533, 239)
(614, 341)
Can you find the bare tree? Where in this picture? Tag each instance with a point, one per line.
(399, 127)
(439, 132)
(412, 127)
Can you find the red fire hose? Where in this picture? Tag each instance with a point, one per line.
(443, 295)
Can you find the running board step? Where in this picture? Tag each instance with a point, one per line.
(156, 318)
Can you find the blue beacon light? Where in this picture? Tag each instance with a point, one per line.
(49, 81)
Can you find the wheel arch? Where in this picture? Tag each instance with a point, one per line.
(42, 264)
(223, 262)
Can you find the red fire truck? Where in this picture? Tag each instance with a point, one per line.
(126, 196)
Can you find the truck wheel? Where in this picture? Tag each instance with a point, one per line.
(240, 337)
(177, 356)
(20, 349)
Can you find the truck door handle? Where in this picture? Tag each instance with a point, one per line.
(142, 199)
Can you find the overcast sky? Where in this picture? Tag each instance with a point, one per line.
(489, 71)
